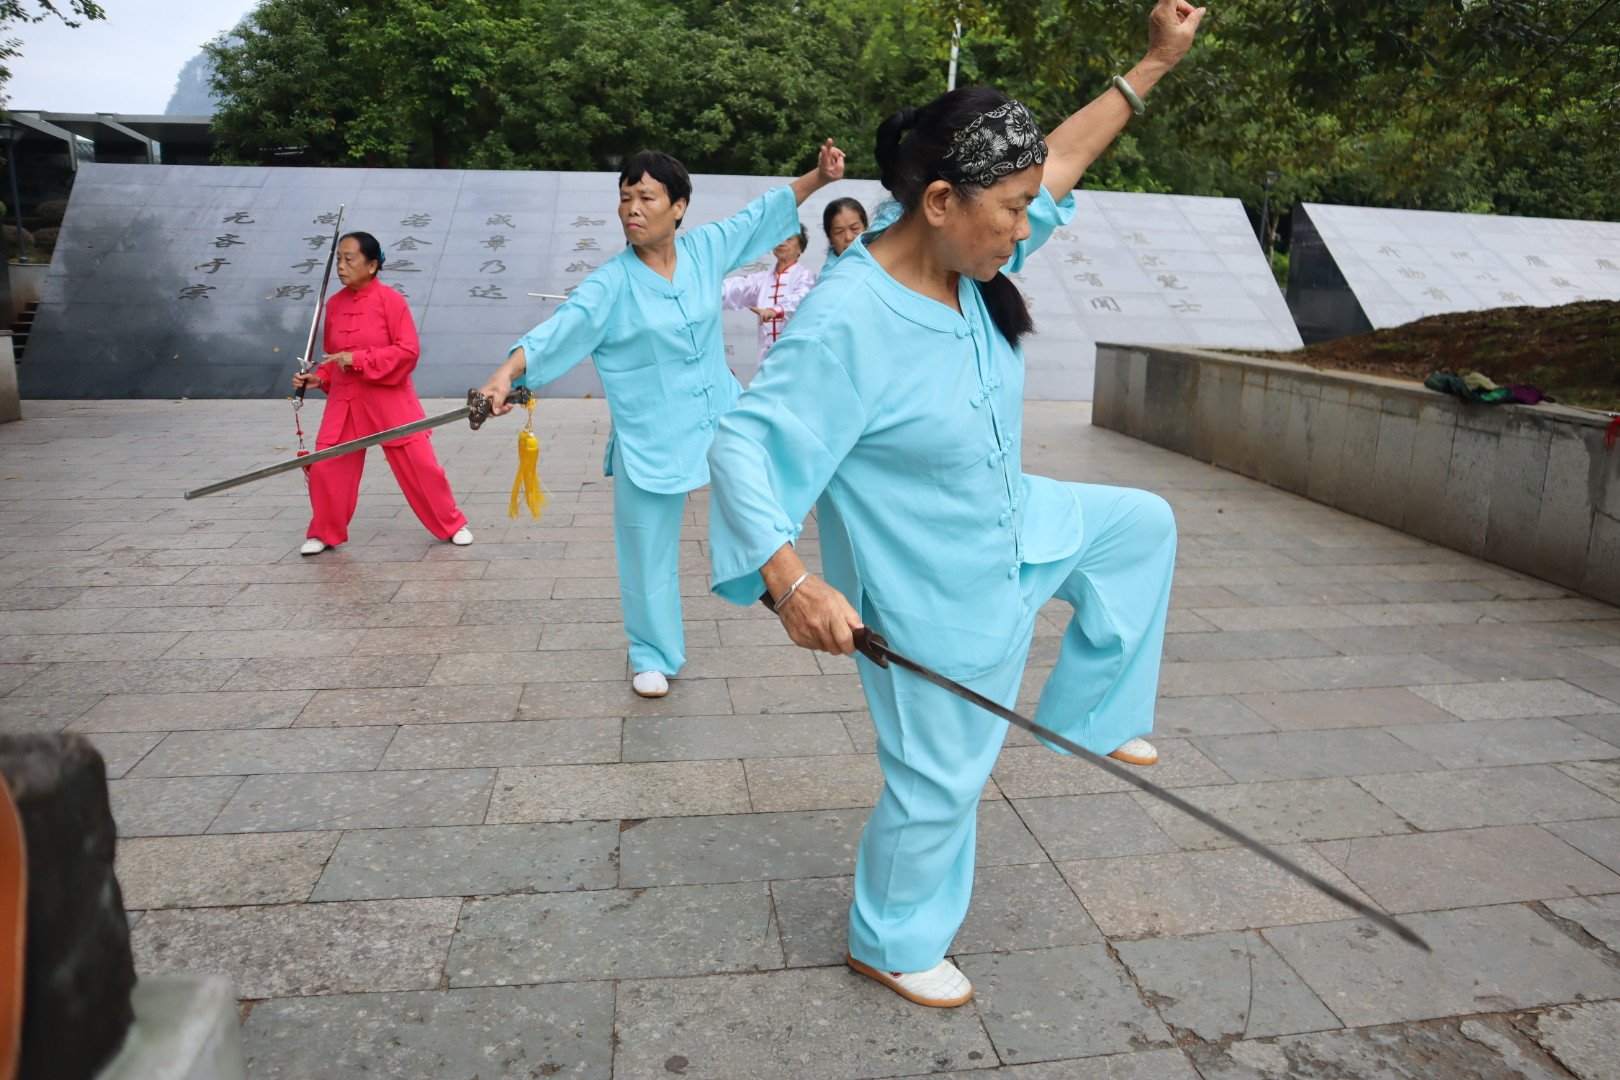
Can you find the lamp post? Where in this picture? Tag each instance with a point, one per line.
(9, 132)
(1265, 212)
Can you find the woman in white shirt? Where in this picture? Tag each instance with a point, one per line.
(773, 294)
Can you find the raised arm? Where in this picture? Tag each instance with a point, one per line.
(1082, 138)
(829, 168)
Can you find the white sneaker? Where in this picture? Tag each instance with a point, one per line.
(650, 684)
(942, 986)
(1137, 752)
(463, 537)
(312, 546)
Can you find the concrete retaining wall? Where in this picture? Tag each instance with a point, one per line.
(1532, 488)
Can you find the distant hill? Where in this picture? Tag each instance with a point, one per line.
(192, 96)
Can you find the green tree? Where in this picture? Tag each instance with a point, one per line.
(280, 84)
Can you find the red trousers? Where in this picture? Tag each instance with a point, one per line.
(334, 486)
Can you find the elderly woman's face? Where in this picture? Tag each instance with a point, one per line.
(846, 226)
(788, 250)
(353, 268)
(983, 231)
(646, 213)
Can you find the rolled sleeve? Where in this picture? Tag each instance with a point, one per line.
(772, 457)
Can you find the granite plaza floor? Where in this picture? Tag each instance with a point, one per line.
(401, 794)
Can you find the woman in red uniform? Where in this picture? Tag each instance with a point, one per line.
(370, 351)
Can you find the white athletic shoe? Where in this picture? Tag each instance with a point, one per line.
(463, 537)
(941, 986)
(312, 546)
(650, 684)
(1137, 752)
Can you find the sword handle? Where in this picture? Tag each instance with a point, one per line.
(479, 405)
(869, 642)
(872, 646)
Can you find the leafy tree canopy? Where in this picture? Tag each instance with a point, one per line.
(1510, 106)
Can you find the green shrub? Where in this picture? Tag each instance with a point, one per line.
(44, 244)
(48, 214)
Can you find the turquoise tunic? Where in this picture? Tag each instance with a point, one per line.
(908, 416)
(904, 417)
(658, 345)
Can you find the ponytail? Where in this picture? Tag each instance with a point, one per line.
(911, 148)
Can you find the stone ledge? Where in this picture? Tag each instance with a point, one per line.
(185, 1029)
(1530, 487)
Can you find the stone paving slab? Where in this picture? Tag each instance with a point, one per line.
(1599, 838)
(47, 715)
(815, 1024)
(215, 753)
(1584, 1038)
(1597, 915)
(218, 871)
(1193, 892)
(1510, 795)
(1348, 708)
(632, 790)
(123, 751)
(689, 738)
(492, 745)
(638, 934)
(185, 712)
(181, 806)
(1602, 776)
(1467, 868)
(1277, 812)
(304, 948)
(1503, 742)
(470, 860)
(1485, 960)
(280, 803)
(1092, 826)
(1075, 1001)
(1310, 755)
(410, 705)
(1473, 1048)
(494, 1033)
(675, 872)
(1224, 986)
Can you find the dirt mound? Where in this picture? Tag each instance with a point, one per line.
(1570, 353)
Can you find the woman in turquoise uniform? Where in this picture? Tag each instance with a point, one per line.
(650, 317)
(893, 402)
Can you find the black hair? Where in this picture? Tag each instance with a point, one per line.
(838, 206)
(803, 237)
(910, 147)
(663, 168)
(370, 250)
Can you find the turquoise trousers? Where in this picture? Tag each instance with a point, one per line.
(914, 869)
(647, 547)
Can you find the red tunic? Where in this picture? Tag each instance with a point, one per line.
(373, 394)
(376, 325)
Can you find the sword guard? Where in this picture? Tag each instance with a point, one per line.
(480, 406)
(872, 646)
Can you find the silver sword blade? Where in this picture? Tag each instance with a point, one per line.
(333, 451)
(477, 409)
(875, 649)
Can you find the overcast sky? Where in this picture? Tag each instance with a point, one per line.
(126, 63)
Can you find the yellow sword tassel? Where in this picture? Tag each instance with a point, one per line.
(527, 484)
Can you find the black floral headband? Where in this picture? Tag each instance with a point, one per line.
(998, 143)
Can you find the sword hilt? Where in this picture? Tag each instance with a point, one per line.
(480, 405)
(872, 646)
(869, 642)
